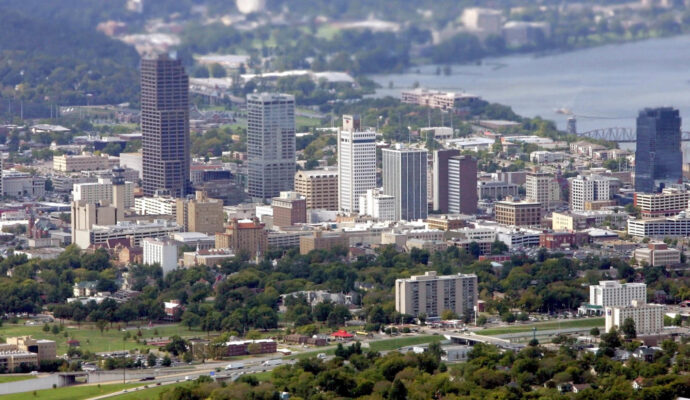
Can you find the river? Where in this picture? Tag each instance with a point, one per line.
(603, 86)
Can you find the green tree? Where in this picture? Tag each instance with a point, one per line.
(398, 391)
(217, 71)
(628, 328)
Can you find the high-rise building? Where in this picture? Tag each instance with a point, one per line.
(542, 188)
(270, 144)
(658, 156)
(432, 294)
(648, 318)
(590, 188)
(404, 178)
(440, 186)
(462, 185)
(165, 126)
(319, 187)
(616, 294)
(200, 214)
(356, 163)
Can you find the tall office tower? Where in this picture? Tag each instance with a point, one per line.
(462, 185)
(658, 157)
(165, 126)
(584, 189)
(542, 188)
(270, 144)
(404, 177)
(356, 163)
(440, 186)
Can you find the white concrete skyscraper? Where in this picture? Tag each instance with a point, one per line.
(356, 163)
(270, 144)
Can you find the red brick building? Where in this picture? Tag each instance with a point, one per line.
(557, 240)
(289, 209)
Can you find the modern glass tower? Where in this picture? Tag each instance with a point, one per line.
(165, 126)
(658, 156)
(404, 177)
(270, 144)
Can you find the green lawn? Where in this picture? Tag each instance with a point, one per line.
(93, 340)
(307, 122)
(15, 378)
(70, 393)
(145, 394)
(563, 324)
(379, 345)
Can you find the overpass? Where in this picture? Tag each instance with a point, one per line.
(620, 135)
(471, 339)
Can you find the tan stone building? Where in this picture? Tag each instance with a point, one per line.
(518, 213)
(245, 235)
(200, 214)
(322, 241)
(320, 188)
(44, 349)
(82, 162)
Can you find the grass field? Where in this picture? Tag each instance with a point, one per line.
(93, 340)
(147, 394)
(307, 122)
(379, 345)
(563, 324)
(70, 393)
(15, 378)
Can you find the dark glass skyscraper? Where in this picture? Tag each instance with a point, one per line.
(658, 157)
(165, 126)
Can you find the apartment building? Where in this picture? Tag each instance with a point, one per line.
(589, 189)
(432, 294)
(160, 251)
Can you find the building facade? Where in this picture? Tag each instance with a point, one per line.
(200, 214)
(322, 241)
(165, 126)
(542, 188)
(658, 155)
(440, 178)
(270, 144)
(671, 201)
(246, 235)
(591, 188)
(320, 188)
(616, 294)
(377, 205)
(648, 318)
(657, 255)
(289, 209)
(518, 213)
(160, 251)
(462, 185)
(93, 192)
(404, 178)
(356, 163)
(82, 162)
(432, 294)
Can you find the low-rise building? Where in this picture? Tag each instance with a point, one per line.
(320, 240)
(289, 209)
(557, 240)
(657, 255)
(157, 205)
(496, 190)
(46, 350)
(137, 231)
(208, 257)
(677, 226)
(83, 162)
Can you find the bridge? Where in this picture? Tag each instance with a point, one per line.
(620, 135)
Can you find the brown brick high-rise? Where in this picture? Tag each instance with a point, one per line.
(165, 126)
